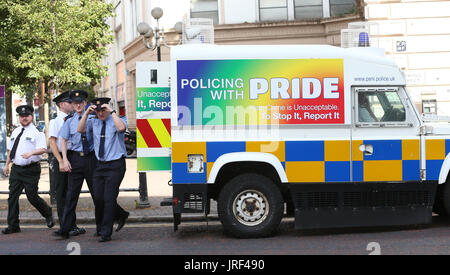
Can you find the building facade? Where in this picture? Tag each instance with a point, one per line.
(417, 34)
(235, 22)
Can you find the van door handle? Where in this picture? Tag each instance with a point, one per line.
(367, 149)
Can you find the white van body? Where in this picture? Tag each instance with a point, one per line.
(332, 131)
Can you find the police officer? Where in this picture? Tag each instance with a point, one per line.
(25, 151)
(60, 177)
(108, 131)
(78, 162)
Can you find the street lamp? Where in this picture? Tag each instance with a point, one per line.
(152, 38)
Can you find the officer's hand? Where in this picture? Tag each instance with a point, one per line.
(91, 109)
(26, 155)
(61, 166)
(6, 170)
(67, 166)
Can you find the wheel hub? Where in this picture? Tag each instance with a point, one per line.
(250, 207)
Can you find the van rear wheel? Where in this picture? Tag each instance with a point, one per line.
(250, 206)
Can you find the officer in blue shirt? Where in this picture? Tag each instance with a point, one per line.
(78, 160)
(108, 131)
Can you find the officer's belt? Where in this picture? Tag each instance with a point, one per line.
(26, 166)
(110, 161)
(81, 154)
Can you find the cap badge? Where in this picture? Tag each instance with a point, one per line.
(23, 109)
(77, 94)
(98, 102)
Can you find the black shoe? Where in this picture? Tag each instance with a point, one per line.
(74, 232)
(10, 231)
(64, 235)
(104, 239)
(49, 221)
(81, 230)
(57, 233)
(77, 231)
(97, 234)
(122, 220)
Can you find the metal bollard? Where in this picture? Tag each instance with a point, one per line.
(143, 194)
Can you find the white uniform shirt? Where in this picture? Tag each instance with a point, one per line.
(54, 128)
(30, 140)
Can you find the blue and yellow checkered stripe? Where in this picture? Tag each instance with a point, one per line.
(323, 160)
(436, 150)
(392, 160)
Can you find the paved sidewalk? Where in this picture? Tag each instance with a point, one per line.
(157, 191)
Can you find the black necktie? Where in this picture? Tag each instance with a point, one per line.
(12, 154)
(101, 151)
(84, 142)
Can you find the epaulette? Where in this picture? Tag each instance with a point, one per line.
(68, 116)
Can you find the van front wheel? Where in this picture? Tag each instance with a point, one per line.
(250, 206)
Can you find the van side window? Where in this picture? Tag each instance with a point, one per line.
(380, 106)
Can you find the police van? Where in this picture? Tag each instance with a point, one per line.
(326, 134)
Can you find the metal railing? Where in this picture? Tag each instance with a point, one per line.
(143, 193)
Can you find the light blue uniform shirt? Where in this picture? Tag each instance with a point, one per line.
(114, 141)
(69, 132)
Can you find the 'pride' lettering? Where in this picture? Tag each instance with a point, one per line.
(311, 88)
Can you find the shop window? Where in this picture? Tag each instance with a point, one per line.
(273, 10)
(429, 106)
(205, 9)
(342, 7)
(308, 9)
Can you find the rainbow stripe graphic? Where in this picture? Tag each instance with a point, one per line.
(218, 92)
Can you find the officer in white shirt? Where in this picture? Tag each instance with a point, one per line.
(25, 152)
(59, 176)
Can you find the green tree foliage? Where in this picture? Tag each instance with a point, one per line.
(66, 39)
(11, 48)
(56, 42)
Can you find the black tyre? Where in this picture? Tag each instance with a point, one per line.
(438, 206)
(446, 199)
(250, 206)
(130, 152)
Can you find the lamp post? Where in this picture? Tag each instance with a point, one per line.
(152, 39)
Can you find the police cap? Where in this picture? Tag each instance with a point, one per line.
(100, 101)
(78, 95)
(25, 110)
(64, 97)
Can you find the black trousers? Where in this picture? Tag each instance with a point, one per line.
(107, 179)
(61, 182)
(82, 169)
(25, 177)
